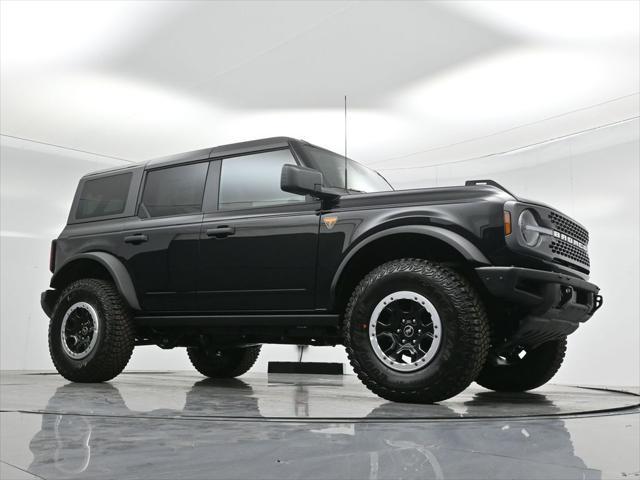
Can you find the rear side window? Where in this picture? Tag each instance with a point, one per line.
(253, 181)
(104, 196)
(174, 191)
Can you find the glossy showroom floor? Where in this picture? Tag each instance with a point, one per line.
(179, 425)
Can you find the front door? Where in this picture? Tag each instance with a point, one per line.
(258, 250)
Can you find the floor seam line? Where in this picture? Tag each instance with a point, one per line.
(292, 420)
(21, 469)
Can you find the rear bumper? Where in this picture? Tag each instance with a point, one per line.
(48, 299)
(555, 303)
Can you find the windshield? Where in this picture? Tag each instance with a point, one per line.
(359, 177)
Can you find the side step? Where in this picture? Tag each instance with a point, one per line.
(288, 320)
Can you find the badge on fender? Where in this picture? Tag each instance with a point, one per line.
(330, 221)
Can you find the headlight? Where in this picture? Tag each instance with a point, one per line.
(529, 228)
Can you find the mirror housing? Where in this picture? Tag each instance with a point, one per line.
(305, 181)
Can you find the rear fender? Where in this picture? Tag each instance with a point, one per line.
(111, 264)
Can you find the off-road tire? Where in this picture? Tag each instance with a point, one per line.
(465, 332)
(223, 362)
(115, 335)
(535, 369)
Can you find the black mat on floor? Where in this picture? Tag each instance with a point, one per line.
(323, 368)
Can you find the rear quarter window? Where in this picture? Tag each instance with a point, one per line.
(103, 196)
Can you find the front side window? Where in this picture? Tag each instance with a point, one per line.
(104, 196)
(359, 177)
(252, 181)
(174, 191)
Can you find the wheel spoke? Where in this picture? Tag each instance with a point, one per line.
(393, 342)
(385, 324)
(416, 310)
(397, 355)
(386, 317)
(395, 316)
(387, 334)
(417, 354)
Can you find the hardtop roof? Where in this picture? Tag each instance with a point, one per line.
(209, 152)
(223, 150)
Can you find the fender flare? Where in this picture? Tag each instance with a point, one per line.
(116, 269)
(462, 245)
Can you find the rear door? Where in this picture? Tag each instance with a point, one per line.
(258, 248)
(160, 244)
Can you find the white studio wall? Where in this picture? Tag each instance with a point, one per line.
(593, 176)
(156, 77)
(37, 186)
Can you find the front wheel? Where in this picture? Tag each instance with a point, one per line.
(218, 362)
(523, 368)
(416, 331)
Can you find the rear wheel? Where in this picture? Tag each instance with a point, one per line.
(523, 368)
(416, 331)
(91, 335)
(220, 362)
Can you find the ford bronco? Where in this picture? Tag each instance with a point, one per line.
(224, 249)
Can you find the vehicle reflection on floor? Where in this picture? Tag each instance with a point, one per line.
(201, 441)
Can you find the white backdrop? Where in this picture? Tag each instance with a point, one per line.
(592, 176)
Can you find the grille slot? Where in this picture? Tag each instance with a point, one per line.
(568, 227)
(567, 250)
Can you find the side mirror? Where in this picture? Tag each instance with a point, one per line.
(305, 181)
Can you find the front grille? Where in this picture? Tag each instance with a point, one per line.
(568, 227)
(567, 250)
(562, 240)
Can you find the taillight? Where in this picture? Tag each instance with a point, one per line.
(52, 256)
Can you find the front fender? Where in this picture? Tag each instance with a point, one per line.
(116, 269)
(462, 245)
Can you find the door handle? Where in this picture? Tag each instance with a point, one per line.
(220, 232)
(135, 239)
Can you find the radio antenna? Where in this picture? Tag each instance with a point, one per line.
(345, 144)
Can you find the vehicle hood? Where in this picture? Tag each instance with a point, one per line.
(426, 196)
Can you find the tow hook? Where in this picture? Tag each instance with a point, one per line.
(567, 294)
(597, 303)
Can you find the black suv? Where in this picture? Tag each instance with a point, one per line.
(279, 241)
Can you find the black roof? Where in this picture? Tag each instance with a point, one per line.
(210, 152)
(223, 150)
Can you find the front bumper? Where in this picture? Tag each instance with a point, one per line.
(555, 303)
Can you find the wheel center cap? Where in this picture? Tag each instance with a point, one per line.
(408, 331)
